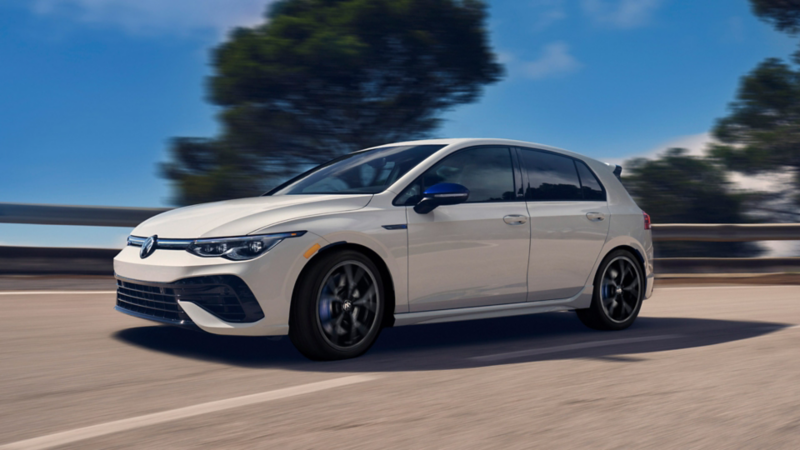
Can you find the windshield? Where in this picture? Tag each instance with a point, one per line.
(367, 172)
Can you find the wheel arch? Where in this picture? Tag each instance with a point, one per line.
(635, 252)
(388, 311)
(626, 243)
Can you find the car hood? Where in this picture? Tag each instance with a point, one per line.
(244, 216)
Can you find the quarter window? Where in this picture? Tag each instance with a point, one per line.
(590, 185)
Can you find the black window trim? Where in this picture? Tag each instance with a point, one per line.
(517, 172)
(575, 162)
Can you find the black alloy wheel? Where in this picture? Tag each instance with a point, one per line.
(618, 293)
(337, 306)
(347, 304)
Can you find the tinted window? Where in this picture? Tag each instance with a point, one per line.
(486, 171)
(551, 177)
(367, 172)
(590, 186)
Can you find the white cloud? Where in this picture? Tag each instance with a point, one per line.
(621, 13)
(697, 145)
(159, 16)
(555, 60)
(548, 13)
(734, 30)
(504, 57)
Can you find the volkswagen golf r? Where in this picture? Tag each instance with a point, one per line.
(402, 234)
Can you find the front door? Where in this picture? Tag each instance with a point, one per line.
(473, 253)
(569, 223)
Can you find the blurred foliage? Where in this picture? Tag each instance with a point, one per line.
(784, 15)
(761, 134)
(678, 188)
(324, 77)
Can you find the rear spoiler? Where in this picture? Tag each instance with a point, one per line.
(616, 169)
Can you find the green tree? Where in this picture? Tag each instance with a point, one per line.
(761, 134)
(678, 188)
(324, 77)
(784, 15)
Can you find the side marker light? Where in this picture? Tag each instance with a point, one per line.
(310, 252)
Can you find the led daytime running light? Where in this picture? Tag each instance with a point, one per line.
(233, 248)
(238, 248)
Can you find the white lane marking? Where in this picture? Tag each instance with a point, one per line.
(55, 292)
(705, 288)
(563, 348)
(80, 434)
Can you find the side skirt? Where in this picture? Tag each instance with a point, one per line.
(580, 301)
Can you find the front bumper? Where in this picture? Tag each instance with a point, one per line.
(188, 324)
(270, 278)
(225, 296)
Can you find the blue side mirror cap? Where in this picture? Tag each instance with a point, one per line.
(441, 194)
(445, 189)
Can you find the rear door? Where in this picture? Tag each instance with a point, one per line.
(569, 223)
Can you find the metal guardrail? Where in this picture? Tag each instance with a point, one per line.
(98, 261)
(28, 260)
(727, 232)
(108, 216)
(56, 261)
(97, 216)
(673, 266)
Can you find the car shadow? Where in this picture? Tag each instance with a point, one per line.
(460, 344)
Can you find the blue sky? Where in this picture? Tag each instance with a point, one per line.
(92, 90)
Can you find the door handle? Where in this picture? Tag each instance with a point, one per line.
(595, 216)
(515, 219)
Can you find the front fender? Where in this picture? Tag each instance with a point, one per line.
(365, 227)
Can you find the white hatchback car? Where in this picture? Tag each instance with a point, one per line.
(402, 234)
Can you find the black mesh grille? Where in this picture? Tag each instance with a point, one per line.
(224, 296)
(153, 301)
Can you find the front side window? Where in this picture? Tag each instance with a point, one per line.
(368, 172)
(487, 172)
(551, 177)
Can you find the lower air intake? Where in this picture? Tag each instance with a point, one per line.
(225, 296)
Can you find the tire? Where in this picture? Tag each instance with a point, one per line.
(337, 307)
(619, 287)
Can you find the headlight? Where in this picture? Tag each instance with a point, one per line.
(238, 248)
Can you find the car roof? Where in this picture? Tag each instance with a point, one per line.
(492, 141)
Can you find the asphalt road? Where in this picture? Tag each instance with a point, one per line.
(704, 367)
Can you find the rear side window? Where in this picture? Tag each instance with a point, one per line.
(551, 177)
(590, 185)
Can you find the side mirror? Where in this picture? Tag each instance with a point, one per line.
(439, 195)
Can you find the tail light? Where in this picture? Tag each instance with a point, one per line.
(646, 221)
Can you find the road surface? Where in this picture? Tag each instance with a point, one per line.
(703, 367)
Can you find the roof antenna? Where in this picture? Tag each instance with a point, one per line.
(618, 172)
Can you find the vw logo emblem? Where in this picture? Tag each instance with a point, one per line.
(148, 247)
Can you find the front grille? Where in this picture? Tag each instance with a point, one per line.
(224, 296)
(155, 301)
